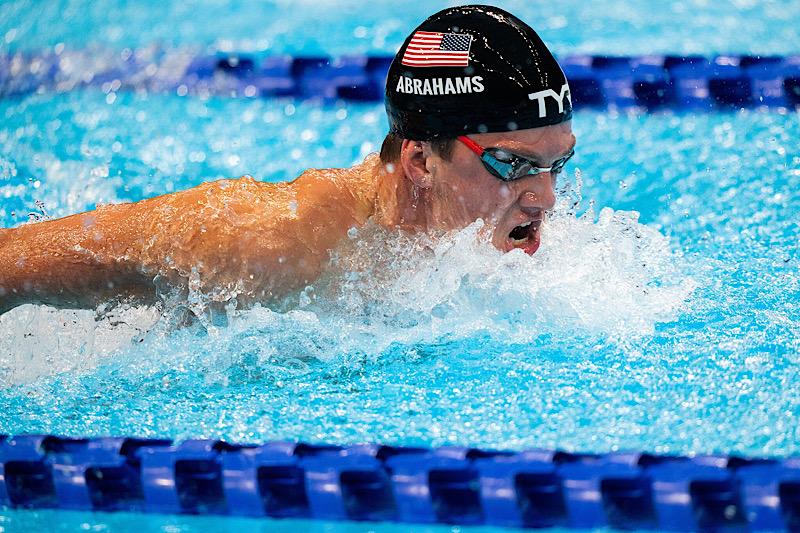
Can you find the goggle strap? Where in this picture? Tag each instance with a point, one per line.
(472, 145)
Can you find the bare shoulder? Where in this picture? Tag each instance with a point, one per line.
(307, 219)
(265, 237)
(348, 191)
(241, 192)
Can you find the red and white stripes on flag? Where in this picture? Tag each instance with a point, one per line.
(433, 49)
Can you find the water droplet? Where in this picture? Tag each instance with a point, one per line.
(99, 172)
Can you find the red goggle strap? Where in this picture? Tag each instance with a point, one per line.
(472, 145)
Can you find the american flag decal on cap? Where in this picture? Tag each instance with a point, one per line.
(433, 49)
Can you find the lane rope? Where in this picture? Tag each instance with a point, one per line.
(646, 82)
(454, 485)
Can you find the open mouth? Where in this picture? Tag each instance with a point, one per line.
(526, 236)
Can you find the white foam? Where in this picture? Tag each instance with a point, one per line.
(606, 277)
(37, 341)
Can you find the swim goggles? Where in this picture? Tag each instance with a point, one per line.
(509, 167)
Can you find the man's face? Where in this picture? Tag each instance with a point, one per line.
(463, 189)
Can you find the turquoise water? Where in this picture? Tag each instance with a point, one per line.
(63, 521)
(660, 313)
(344, 26)
(619, 334)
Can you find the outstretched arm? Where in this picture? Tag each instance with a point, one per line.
(75, 261)
(229, 238)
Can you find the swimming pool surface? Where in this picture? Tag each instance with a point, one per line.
(345, 27)
(661, 312)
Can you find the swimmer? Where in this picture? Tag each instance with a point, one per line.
(479, 113)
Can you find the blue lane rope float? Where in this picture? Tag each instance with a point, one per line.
(645, 82)
(453, 485)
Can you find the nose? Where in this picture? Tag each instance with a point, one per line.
(537, 193)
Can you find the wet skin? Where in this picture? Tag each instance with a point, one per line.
(261, 241)
(461, 190)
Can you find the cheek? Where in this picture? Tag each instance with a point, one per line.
(456, 183)
(495, 196)
(488, 201)
(504, 194)
(473, 192)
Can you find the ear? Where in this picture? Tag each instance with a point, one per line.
(413, 158)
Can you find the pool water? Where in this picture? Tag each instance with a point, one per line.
(345, 27)
(660, 314)
(651, 334)
(64, 521)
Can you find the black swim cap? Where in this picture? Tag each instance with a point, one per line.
(474, 69)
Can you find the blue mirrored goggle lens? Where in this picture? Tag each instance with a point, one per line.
(509, 167)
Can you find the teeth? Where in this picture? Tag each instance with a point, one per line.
(524, 230)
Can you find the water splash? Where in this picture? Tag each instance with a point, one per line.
(606, 278)
(37, 341)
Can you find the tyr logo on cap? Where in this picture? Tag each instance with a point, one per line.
(434, 49)
(539, 95)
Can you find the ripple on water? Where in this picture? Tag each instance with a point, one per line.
(656, 333)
